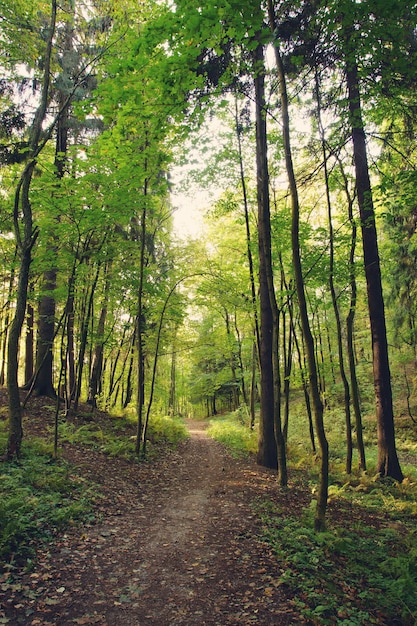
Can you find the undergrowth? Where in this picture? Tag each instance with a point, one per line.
(363, 569)
(345, 576)
(113, 438)
(38, 497)
(232, 429)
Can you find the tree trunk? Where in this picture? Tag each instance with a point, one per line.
(25, 243)
(287, 376)
(97, 360)
(240, 361)
(350, 320)
(85, 322)
(267, 447)
(41, 383)
(248, 231)
(15, 410)
(253, 387)
(172, 400)
(140, 336)
(71, 378)
(307, 400)
(387, 463)
(320, 516)
(232, 360)
(29, 341)
(340, 352)
(5, 333)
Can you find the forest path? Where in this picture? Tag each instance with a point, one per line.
(176, 545)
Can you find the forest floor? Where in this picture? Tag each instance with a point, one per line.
(176, 542)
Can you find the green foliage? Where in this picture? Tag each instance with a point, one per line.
(166, 428)
(345, 576)
(117, 438)
(38, 497)
(232, 429)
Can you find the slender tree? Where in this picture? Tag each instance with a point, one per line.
(318, 409)
(387, 463)
(25, 241)
(267, 447)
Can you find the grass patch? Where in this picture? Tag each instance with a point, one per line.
(345, 576)
(38, 497)
(116, 437)
(232, 430)
(92, 435)
(168, 429)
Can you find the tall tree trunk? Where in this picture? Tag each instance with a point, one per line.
(140, 334)
(172, 399)
(350, 321)
(253, 386)
(267, 445)
(287, 376)
(25, 242)
(387, 463)
(71, 377)
(42, 380)
(307, 400)
(15, 410)
(320, 515)
(248, 230)
(240, 361)
(232, 360)
(96, 371)
(42, 383)
(97, 360)
(340, 351)
(85, 322)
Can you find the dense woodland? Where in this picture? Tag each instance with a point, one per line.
(300, 118)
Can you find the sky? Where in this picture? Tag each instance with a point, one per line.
(188, 213)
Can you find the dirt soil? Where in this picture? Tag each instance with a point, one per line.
(177, 543)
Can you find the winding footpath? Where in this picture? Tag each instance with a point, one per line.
(176, 544)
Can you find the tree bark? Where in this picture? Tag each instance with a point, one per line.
(320, 515)
(25, 242)
(350, 323)
(140, 328)
(340, 351)
(97, 360)
(5, 332)
(267, 448)
(29, 340)
(42, 380)
(387, 463)
(84, 338)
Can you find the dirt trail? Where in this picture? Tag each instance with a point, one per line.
(176, 546)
